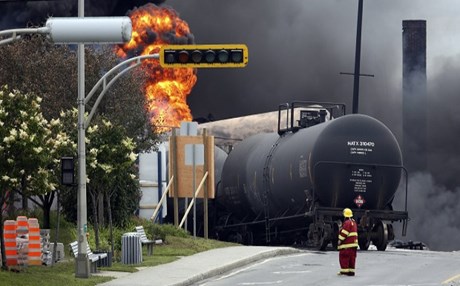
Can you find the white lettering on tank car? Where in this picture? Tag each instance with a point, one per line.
(360, 178)
(361, 147)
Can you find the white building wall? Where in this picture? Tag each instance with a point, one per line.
(148, 178)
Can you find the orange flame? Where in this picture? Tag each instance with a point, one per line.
(166, 89)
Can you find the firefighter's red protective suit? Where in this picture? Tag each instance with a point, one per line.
(348, 245)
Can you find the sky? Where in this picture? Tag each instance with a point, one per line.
(297, 49)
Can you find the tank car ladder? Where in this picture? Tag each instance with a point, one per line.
(266, 182)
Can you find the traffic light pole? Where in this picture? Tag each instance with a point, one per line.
(82, 267)
(105, 86)
(82, 264)
(15, 33)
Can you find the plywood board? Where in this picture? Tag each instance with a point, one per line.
(185, 172)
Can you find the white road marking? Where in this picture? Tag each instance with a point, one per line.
(417, 284)
(261, 283)
(257, 264)
(292, 272)
(456, 277)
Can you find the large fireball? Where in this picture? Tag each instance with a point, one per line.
(166, 89)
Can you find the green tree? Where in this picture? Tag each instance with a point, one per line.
(57, 144)
(23, 157)
(111, 173)
(34, 64)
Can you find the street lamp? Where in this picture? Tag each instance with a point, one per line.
(111, 32)
(89, 30)
(71, 30)
(86, 30)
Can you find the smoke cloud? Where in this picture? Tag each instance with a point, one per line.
(433, 212)
(298, 48)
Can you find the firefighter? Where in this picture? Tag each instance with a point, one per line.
(348, 244)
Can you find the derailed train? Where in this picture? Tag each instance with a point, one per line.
(291, 186)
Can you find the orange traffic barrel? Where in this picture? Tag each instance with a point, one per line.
(35, 246)
(22, 225)
(22, 239)
(9, 237)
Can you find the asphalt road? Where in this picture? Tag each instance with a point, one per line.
(374, 268)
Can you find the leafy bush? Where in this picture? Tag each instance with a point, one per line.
(162, 230)
(159, 231)
(153, 231)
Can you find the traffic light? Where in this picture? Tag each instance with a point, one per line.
(67, 171)
(204, 56)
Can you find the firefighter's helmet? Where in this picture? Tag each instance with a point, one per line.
(347, 213)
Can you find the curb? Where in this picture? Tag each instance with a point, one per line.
(231, 266)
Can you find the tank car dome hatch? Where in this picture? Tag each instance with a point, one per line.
(311, 116)
(301, 114)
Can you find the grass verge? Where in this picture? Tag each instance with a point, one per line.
(63, 273)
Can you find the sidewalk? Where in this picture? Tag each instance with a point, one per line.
(191, 269)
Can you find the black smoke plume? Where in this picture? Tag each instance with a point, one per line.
(297, 50)
(433, 211)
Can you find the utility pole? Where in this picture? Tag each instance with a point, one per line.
(82, 267)
(357, 73)
(357, 58)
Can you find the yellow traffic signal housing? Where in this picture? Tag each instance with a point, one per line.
(204, 56)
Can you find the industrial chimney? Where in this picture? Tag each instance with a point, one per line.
(415, 132)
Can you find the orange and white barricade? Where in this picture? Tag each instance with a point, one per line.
(35, 246)
(22, 225)
(9, 237)
(22, 239)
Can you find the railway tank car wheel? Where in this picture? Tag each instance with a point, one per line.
(364, 242)
(325, 237)
(381, 236)
(235, 237)
(335, 235)
(323, 242)
(249, 238)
